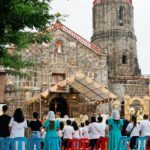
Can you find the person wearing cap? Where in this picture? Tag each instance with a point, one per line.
(115, 124)
(51, 126)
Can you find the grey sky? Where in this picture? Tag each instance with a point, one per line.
(80, 21)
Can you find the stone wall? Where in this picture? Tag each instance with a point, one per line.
(134, 87)
(75, 57)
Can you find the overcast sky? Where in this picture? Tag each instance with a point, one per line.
(80, 21)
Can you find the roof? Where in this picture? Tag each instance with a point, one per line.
(99, 1)
(79, 38)
(84, 85)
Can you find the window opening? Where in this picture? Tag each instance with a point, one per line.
(121, 15)
(124, 59)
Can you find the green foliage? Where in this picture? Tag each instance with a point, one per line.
(18, 14)
(16, 18)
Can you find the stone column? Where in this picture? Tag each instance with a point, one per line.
(127, 103)
(146, 104)
(2, 85)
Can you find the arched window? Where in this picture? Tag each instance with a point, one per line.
(121, 15)
(124, 59)
(59, 45)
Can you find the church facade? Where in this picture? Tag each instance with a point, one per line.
(109, 59)
(67, 54)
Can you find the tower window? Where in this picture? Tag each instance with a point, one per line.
(121, 15)
(124, 59)
(59, 46)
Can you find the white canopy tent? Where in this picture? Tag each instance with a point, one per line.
(81, 83)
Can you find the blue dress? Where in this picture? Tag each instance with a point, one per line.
(115, 135)
(50, 134)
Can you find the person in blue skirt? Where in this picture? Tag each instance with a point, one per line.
(115, 125)
(51, 126)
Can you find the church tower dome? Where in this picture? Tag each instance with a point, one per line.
(113, 31)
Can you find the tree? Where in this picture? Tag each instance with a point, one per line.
(16, 18)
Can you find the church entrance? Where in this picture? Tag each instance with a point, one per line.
(59, 106)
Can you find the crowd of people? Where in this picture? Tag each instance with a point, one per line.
(113, 127)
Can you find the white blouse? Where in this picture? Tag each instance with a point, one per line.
(17, 129)
(135, 131)
(76, 134)
(86, 132)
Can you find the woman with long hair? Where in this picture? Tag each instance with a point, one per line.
(115, 124)
(51, 126)
(17, 124)
(133, 130)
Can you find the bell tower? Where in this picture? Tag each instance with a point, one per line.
(113, 31)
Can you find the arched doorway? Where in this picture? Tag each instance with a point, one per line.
(59, 105)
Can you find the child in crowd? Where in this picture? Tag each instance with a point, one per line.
(85, 131)
(81, 129)
(76, 134)
(68, 132)
(102, 126)
(60, 134)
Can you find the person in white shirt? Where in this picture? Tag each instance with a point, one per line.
(102, 126)
(133, 130)
(81, 129)
(17, 124)
(68, 132)
(94, 132)
(85, 131)
(145, 126)
(76, 134)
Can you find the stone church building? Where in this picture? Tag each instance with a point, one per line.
(110, 59)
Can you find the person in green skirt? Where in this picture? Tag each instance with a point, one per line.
(51, 126)
(115, 125)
